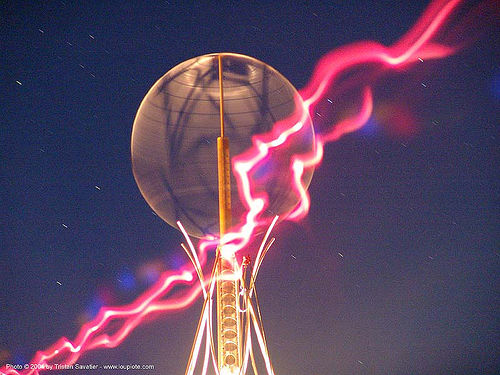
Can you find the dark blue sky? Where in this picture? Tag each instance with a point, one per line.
(395, 271)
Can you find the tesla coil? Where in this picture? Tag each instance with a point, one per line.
(191, 123)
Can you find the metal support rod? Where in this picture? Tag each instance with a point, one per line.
(223, 164)
(221, 96)
(228, 316)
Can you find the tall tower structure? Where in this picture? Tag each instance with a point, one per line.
(188, 128)
(228, 317)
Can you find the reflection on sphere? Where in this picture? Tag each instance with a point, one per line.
(174, 139)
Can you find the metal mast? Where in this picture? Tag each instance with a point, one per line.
(228, 317)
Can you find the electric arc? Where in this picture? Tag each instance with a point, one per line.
(223, 147)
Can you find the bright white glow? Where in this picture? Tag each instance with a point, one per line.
(226, 370)
(206, 322)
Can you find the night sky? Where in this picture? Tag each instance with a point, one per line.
(396, 268)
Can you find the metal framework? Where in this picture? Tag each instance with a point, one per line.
(248, 313)
(236, 310)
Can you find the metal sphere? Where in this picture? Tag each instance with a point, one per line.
(174, 137)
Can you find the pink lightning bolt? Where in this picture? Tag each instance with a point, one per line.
(417, 43)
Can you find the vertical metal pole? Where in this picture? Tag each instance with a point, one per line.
(228, 317)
